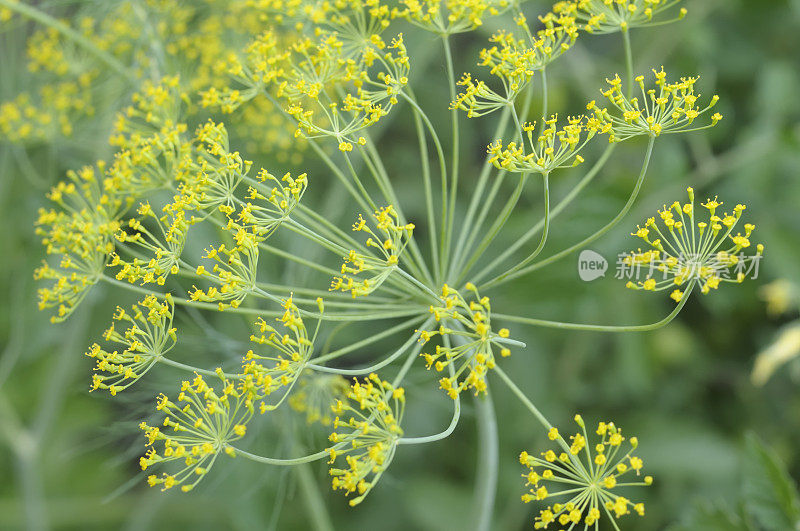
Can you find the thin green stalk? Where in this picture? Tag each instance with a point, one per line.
(466, 226)
(498, 224)
(524, 399)
(626, 40)
(279, 462)
(542, 240)
(451, 208)
(488, 458)
(602, 328)
(573, 193)
(318, 514)
(596, 235)
(372, 338)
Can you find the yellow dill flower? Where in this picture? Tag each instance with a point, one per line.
(198, 427)
(780, 295)
(514, 61)
(155, 109)
(315, 394)
(668, 108)
(451, 16)
(269, 373)
(609, 16)
(333, 87)
(234, 269)
(553, 149)
(390, 239)
(80, 232)
(469, 325)
(163, 244)
(367, 430)
(275, 204)
(686, 251)
(148, 336)
(585, 477)
(215, 172)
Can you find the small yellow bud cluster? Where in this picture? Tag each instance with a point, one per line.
(149, 336)
(269, 373)
(590, 474)
(451, 16)
(81, 233)
(688, 251)
(469, 324)
(514, 61)
(198, 427)
(610, 16)
(367, 428)
(553, 149)
(234, 267)
(277, 203)
(164, 242)
(390, 239)
(669, 108)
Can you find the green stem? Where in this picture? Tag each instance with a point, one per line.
(524, 399)
(596, 235)
(626, 39)
(450, 213)
(488, 453)
(279, 462)
(318, 514)
(602, 328)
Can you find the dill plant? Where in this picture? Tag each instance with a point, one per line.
(319, 77)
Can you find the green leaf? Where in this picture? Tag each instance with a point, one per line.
(770, 496)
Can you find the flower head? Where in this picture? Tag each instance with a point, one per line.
(389, 238)
(451, 16)
(268, 373)
(553, 149)
(668, 108)
(199, 426)
(468, 324)
(148, 336)
(367, 430)
(315, 394)
(584, 478)
(705, 252)
(609, 16)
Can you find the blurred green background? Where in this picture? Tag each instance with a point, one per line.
(68, 459)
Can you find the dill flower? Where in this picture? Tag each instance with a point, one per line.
(689, 251)
(583, 479)
(389, 238)
(269, 373)
(148, 336)
(449, 17)
(235, 267)
(668, 108)
(199, 426)
(164, 244)
(315, 394)
(514, 61)
(470, 325)
(609, 16)
(80, 233)
(367, 430)
(553, 148)
(267, 208)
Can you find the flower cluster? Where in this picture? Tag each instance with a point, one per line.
(390, 239)
(585, 480)
(269, 373)
(316, 393)
(553, 149)
(367, 430)
(610, 16)
(148, 336)
(668, 108)
(693, 251)
(199, 426)
(469, 326)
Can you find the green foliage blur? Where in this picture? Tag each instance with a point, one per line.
(722, 450)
